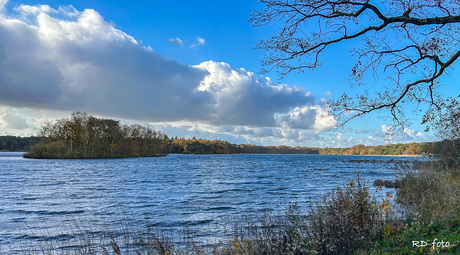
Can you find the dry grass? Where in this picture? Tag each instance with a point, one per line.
(431, 190)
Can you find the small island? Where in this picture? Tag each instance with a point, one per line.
(83, 136)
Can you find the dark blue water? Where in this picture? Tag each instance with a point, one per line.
(210, 192)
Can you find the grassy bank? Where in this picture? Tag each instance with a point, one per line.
(350, 220)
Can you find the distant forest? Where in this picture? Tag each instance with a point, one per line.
(139, 146)
(85, 136)
(203, 146)
(391, 149)
(16, 143)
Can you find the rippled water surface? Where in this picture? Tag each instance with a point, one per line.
(207, 191)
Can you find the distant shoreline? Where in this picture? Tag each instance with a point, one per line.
(409, 156)
(405, 155)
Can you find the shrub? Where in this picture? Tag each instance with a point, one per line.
(378, 182)
(396, 184)
(347, 219)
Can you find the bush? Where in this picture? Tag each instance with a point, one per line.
(378, 183)
(347, 219)
(396, 184)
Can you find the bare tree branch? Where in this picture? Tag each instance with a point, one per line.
(401, 39)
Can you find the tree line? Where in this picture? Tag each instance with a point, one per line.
(203, 146)
(391, 149)
(445, 148)
(16, 143)
(85, 136)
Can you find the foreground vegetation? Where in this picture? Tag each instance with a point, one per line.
(429, 201)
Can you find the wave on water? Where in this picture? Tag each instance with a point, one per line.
(170, 192)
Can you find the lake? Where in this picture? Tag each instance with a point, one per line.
(209, 193)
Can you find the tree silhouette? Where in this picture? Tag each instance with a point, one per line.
(411, 43)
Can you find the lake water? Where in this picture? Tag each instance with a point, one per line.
(39, 198)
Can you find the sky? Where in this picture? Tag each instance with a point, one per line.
(187, 68)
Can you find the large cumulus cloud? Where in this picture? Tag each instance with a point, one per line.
(86, 64)
(70, 60)
(243, 98)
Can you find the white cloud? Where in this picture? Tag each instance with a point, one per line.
(2, 5)
(26, 10)
(244, 134)
(404, 136)
(414, 134)
(198, 42)
(176, 41)
(87, 64)
(308, 117)
(12, 120)
(243, 98)
(67, 60)
(290, 134)
(84, 63)
(388, 132)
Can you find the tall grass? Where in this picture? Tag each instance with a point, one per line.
(429, 203)
(78, 238)
(431, 190)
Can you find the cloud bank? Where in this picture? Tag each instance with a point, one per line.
(10, 120)
(65, 59)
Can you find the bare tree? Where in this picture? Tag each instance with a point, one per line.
(407, 44)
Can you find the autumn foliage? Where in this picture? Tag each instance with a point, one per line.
(85, 136)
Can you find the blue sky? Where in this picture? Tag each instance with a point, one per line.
(188, 68)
